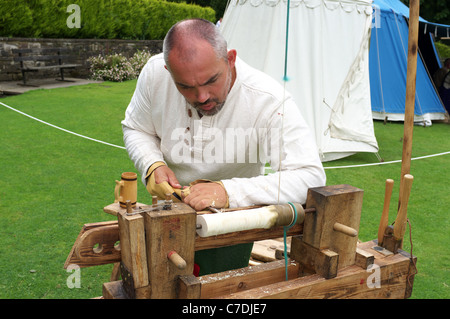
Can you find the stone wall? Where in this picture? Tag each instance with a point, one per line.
(81, 50)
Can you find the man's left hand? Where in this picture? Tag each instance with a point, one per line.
(203, 195)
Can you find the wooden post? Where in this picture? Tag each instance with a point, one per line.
(134, 262)
(330, 233)
(410, 90)
(167, 231)
(339, 203)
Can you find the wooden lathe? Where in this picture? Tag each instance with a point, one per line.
(155, 257)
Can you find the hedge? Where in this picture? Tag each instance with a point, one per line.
(104, 19)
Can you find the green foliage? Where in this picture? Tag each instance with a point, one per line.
(13, 24)
(106, 19)
(218, 5)
(434, 11)
(443, 49)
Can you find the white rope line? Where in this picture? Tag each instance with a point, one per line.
(390, 162)
(122, 147)
(60, 128)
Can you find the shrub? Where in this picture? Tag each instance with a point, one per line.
(104, 19)
(443, 49)
(118, 68)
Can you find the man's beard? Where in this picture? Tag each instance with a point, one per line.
(219, 104)
(216, 109)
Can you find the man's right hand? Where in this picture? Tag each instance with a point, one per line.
(165, 174)
(161, 180)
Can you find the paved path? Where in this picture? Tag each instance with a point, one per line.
(15, 87)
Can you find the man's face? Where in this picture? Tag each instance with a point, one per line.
(204, 80)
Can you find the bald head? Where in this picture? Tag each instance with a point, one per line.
(187, 37)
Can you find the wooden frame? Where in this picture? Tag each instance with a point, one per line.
(326, 260)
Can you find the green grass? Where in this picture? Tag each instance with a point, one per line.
(52, 183)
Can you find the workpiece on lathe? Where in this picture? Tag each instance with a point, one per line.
(257, 218)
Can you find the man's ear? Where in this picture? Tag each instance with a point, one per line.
(231, 58)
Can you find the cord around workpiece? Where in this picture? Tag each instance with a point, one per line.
(285, 230)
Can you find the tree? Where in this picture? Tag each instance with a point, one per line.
(219, 6)
(434, 11)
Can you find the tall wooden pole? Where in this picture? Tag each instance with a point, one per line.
(410, 89)
(405, 183)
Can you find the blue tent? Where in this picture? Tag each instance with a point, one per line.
(388, 63)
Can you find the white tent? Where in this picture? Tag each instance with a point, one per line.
(327, 66)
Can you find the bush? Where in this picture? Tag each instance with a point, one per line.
(443, 49)
(104, 19)
(118, 68)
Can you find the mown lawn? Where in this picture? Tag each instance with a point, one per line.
(53, 182)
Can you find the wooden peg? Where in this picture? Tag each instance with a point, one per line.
(385, 214)
(129, 207)
(176, 259)
(345, 230)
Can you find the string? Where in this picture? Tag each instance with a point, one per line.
(285, 79)
(285, 230)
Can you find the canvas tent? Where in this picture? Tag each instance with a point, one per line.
(327, 65)
(388, 61)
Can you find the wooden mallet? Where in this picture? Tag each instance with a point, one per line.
(385, 214)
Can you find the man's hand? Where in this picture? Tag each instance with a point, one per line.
(203, 195)
(161, 180)
(165, 174)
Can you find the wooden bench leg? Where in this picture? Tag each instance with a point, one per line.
(24, 78)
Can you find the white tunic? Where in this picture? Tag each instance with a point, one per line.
(259, 124)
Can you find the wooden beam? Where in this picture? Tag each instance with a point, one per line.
(95, 245)
(352, 282)
(232, 281)
(111, 236)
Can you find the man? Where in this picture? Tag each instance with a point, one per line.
(202, 117)
(440, 74)
(442, 81)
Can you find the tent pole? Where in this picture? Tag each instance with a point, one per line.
(409, 104)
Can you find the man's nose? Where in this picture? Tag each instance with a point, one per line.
(202, 95)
